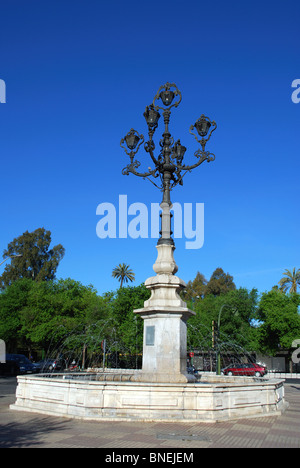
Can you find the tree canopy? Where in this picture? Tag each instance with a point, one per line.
(64, 316)
(219, 283)
(197, 288)
(290, 281)
(123, 273)
(32, 258)
(237, 319)
(39, 313)
(279, 321)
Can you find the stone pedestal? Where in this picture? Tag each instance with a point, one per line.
(165, 315)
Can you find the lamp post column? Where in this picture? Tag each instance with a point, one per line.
(165, 314)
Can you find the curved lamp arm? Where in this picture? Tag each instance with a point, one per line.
(133, 141)
(203, 156)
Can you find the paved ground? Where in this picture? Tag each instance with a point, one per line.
(27, 430)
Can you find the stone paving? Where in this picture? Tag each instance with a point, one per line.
(28, 430)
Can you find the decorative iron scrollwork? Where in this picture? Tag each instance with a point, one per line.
(168, 165)
(167, 96)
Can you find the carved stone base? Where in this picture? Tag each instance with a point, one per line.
(165, 315)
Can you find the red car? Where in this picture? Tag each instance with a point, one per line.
(246, 369)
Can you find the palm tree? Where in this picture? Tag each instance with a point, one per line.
(290, 281)
(123, 273)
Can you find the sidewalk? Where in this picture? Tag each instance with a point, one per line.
(28, 430)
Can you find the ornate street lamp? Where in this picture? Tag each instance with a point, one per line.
(165, 314)
(169, 168)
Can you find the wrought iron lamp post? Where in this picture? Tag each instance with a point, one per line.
(169, 168)
(165, 314)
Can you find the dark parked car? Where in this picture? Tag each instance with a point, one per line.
(250, 369)
(17, 364)
(9, 368)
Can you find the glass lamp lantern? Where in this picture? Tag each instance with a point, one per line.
(152, 116)
(132, 140)
(167, 97)
(202, 126)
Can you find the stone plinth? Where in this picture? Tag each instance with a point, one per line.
(164, 347)
(165, 315)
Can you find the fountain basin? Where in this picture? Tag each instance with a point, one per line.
(114, 396)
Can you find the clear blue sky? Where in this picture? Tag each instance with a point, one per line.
(78, 76)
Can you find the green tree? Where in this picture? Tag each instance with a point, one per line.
(12, 301)
(195, 289)
(34, 258)
(237, 320)
(57, 309)
(123, 273)
(290, 281)
(128, 327)
(49, 315)
(219, 283)
(280, 321)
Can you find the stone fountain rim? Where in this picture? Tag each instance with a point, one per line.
(224, 381)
